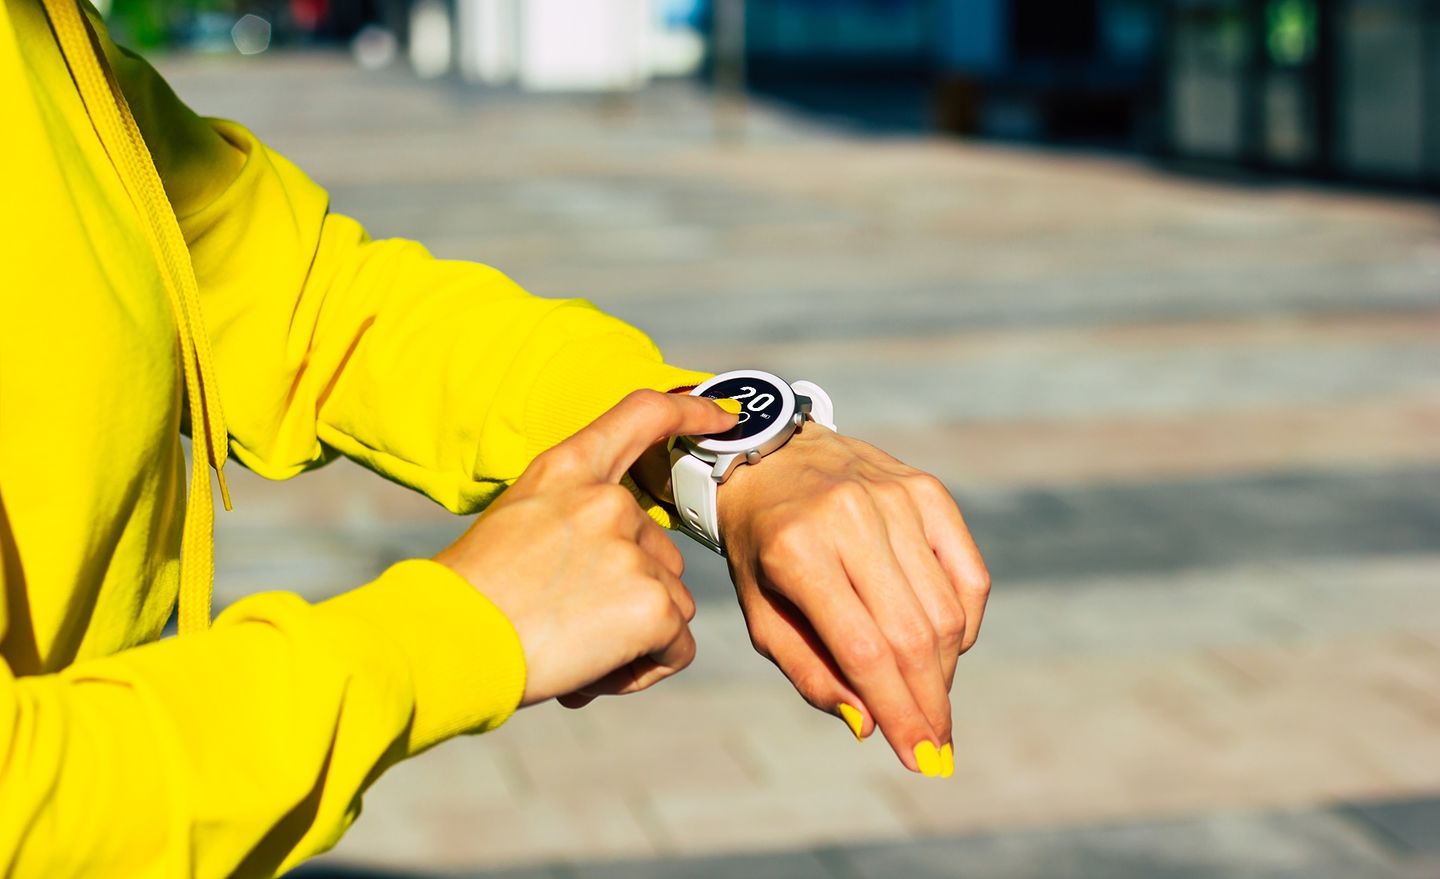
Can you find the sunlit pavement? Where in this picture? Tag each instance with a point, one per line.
(1193, 425)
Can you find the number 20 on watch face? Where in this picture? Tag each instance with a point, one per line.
(760, 403)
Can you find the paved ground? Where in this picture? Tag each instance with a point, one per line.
(1193, 425)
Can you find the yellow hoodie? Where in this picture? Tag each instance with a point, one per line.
(154, 264)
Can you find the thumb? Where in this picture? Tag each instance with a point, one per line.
(615, 440)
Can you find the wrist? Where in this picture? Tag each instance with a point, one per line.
(735, 499)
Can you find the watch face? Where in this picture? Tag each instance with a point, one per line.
(763, 406)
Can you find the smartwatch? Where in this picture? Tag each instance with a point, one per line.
(772, 410)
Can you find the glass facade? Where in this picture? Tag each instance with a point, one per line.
(1338, 88)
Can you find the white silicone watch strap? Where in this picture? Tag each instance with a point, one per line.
(822, 411)
(695, 491)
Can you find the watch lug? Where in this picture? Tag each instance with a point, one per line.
(724, 466)
(803, 406)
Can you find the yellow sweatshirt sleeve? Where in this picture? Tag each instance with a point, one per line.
(244, 750)
(441, 375)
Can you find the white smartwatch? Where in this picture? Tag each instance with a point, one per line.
(772, 410)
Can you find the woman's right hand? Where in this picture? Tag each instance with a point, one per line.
(590, 583)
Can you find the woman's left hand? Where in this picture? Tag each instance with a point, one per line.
(859, 579)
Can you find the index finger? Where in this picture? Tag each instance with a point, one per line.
(613, 442)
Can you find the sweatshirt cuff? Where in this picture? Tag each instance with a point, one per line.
(576, 387)
(466, 664)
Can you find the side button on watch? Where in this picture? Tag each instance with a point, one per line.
(772, 410)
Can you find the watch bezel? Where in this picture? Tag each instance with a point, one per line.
(765, 442)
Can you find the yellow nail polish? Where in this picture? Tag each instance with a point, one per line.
(928, 759)
(729, 405)
(947, 761)
(852, 716)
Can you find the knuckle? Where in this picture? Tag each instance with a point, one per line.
(684, 603)
(944, 728)
(848, 498)
(685, 656)
(647, 402)
(675, 624)
(982, 582)
(564, 454)
(662, 549)
(788, 544)
(760, 640)
(544, 463)
(644, 397)
(607, 503)
(619, 557)
(950, 627)
(928, 486)
(811, 685)
(914, 645)
(892, 492)
(674, 559)
(653, 605)
(557, 459)
(865, 655)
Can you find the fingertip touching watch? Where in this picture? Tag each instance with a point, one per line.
(772, 410)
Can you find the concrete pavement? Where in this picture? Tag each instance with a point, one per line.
(1191, 423)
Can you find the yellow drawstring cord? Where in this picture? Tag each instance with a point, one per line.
(122, 140)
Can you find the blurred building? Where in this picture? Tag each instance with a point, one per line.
(1333, 88)
(1338, 88)
(555, 45)
(1081, 70)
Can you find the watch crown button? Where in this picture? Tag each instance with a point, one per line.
(752, 456)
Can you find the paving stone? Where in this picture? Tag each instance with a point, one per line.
(816, 750)
(451, 775)
(776, 817)
(517, 832)
(1090, 451)
(669, 757)
(1107, 738)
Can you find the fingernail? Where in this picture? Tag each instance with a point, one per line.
(729, 405)
(947, 761)
(851, 714)
(928, 759)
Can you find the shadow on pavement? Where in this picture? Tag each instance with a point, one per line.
(1392, 839)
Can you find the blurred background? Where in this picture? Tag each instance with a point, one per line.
(1153, 286)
